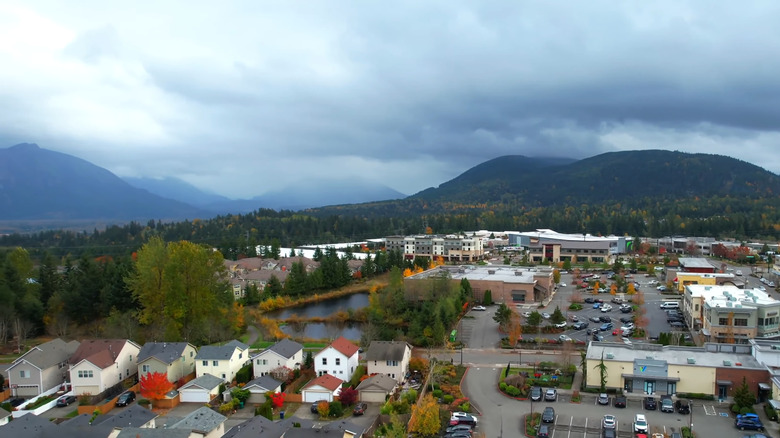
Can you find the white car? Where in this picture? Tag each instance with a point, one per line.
(771, 284)
(762, 288)
(640, 423)
(561, 325)
(738, 272)
(561, 284)
(605, 308)
(546, 315)
(479, 308)
(564, 338)
(609, 422)
(526, 314)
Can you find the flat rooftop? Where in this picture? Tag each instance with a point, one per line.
(695, 262)
(673, 355)
(544, 233)
(504, 273)
(718, 296)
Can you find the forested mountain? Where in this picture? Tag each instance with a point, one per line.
(39, 184)
(647, 193)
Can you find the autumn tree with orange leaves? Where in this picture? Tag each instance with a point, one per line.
(155, 385)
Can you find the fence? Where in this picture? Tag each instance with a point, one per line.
(40, 409)
(107, 406)
(5, 395)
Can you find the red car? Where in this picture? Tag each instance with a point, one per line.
(615, 332)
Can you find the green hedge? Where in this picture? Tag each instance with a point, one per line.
(771, 413)
(695, 396)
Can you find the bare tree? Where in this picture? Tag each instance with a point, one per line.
(22, 329)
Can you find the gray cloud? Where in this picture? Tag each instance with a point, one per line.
(245, 97)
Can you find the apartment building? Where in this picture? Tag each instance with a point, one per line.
(449, 247)
(727, 314)
(546, 244)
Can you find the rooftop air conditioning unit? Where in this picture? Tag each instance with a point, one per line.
(691, 361)
(726, 363)
(610, 356)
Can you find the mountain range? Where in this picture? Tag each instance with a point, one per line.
(39, 184)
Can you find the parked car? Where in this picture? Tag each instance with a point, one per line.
(564, 338)
(640, 423)
(551, 394)
(650, 404)
(620, 402)
(16, 402)
(597, 337)
(548, 415)
(536, 393)
(603, 399)
(480, 308)
(561, 284)
(589, 300)
(462, 418)
(748, 422)
(661, 288)
(545, 315)
(609, 422)
(459, 428)
(682, 407)
(561, 325)
(626, 319)
(579, 325)
(65, 400)
(596, 305)
(595, 318)
(626, 309)
(608, 433)
(543, 432)
(677, 324)
(360, 409)
(606, 308)
(666, 404)
(606, 326)
(458, 434)
(125, 399)
(526, 314)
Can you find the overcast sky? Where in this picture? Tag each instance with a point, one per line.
(240, 97)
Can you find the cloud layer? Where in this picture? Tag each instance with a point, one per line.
(243, 97)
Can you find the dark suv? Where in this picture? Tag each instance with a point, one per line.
(650, 403)
(536, 393)
(125, 399)
(666, 404)
(682, 407)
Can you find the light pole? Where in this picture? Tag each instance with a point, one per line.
(690, 409)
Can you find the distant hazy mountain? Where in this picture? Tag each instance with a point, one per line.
(37, 183)
(174, 188)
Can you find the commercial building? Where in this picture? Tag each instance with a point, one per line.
(728, 314)
(696, 264)
(683, 279)
(507, 284)
(545, 244)
(450, 247)
(714, 369)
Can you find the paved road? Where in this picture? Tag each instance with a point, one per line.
(478, 330)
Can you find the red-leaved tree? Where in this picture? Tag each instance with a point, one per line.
(277, 399)
(348, 396)
(155, 385)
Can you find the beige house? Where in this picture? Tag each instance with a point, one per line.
(176, 359)
(390, 358)
(99, 364)
(42, 368)
(376, 388)
(285, 353)
(222, 361)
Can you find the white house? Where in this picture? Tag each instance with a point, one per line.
(42, 368)
(339, 359)
(207, 423)
(324, 387)
(200, 390)
(222, 361)
(175, 359)
(99, 364)
(390, 358)
(285, 353)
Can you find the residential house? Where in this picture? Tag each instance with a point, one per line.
(285, 353)
(99, 364)
(27, 426)
(222, 361)
(334, 429)
(324, 387)
(390, 358)
(339, 359)
(200, 390)
(204, 420)
(140, 432)
(285, 264)
(5, 417)
(176, 359)
(260, 426)
(376, 388)
(42, 368)
(260, 386)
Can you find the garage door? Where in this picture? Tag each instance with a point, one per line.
(81, 390)
(257, 398)
(372, 396)
(194, 396)
(26, 390)
(313, 396)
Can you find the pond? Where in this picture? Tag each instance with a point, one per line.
(319, 330)
(323, 308)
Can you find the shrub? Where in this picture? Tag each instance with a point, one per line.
(226, 408)
(770, 412)
(144, 402)
(323, 408)
(575, 396)
(348, 396)
(746, 410)
(447, 399)
(336, 409)
(515, 380)
(244, 375)
(502, 386)
(512, 390)
(437, 393)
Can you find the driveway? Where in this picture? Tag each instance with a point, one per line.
(478, 330)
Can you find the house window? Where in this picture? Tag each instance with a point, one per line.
(191, 353)
(215, 363)
(324, 360)
(223, 376)
(24, 374)
(740, 322)
(131, 358)
(205, 363)
(338, 361)
(86, 374)
(240, 355)
(127, 372)
(145, 369)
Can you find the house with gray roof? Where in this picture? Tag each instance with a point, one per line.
(140, 432)
(260, 426)
(5, 416)
(334, 429)
(42, 368)
(27, 426)
(390, 358)
(261, 385)
(205, 421)
(376, 388)
(222, 361)
(200, 390)
(175, 359)
(285, 353)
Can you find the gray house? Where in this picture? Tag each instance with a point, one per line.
(42, 368)
(175, 359)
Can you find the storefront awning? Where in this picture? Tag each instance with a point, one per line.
(764, 387)
(724, 382)
(647, 377)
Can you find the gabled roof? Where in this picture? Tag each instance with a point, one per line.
(238, 344)
(378, 382)
(203, 419)
(336, 429)
(387, 350)
(265, 275)
(260, 426)
(101, 352)
(132, 416)
(344, 346)
(326, 381)
(165, 352)
(266, 382)
(285, 348)
(220, 352)
(146, 432)
(206, 381)
(49, 353)
(26, 426)
(4, 413)
(250, 263)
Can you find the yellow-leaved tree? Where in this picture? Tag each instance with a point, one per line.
(425, 417)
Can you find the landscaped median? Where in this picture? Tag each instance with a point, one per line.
(517, 382)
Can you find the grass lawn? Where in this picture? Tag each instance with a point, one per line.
(564, 382)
